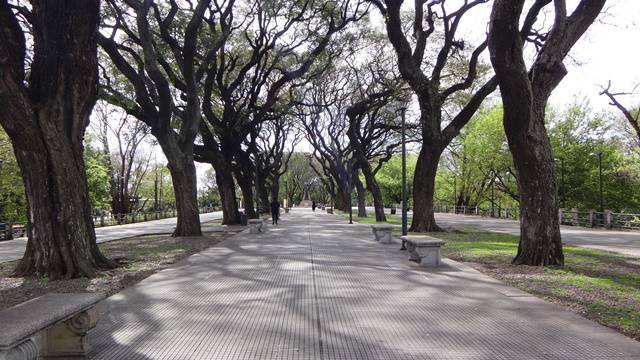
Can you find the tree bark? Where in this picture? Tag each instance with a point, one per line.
(343, 200)
(246, 187)
(524, 95)
(274, 189)
(540, 242)
(227, 189)
(46, 122)
(362, 197)
(374, 189)
(183, 176)
(424, 181)
(262, 193)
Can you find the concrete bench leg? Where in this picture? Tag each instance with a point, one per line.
(426, 256)
(413, 253)
(384, 237)
(69, 339)
(27, 350)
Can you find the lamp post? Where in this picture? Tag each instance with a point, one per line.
(562, 189)
(404, 178)
(286, 194)
(600, 181)
(350, 204)
(493, 180)
(599, 154)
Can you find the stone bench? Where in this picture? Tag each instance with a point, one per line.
(423, 249)
(48, 327)
(382, 233)
(255, 226)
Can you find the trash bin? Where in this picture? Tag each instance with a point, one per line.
(393, 211)
(243, 218)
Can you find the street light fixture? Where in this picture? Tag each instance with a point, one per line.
(404, 178)
(599, 154)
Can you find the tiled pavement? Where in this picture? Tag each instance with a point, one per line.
(317, 288)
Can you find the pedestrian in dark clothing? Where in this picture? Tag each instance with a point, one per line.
(275, 211)
(313, 205)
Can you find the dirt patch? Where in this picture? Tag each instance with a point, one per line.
(139, 257)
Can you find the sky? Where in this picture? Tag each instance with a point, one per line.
(609, 51)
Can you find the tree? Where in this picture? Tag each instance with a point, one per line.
(580, 137)
(525, 93)
(477, 161)
(374, 122)
(259, 60)
(155, 49)
(323, 118)
(46, 101)
(271, 159)
(98, 177)
(299, 173)
(13, 203)
(390, 178)
(632, 116)
(453, 72)
(125, 165)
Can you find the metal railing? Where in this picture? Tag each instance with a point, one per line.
(498, 212)
(11, 230)
(573, 217)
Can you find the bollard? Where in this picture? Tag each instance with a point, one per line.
(608, 219)
(592, 218)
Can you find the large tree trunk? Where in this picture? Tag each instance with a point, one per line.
(424, 181)
(524, 104)
(246, 187)
(183, 176)
(540, 242)
(263, 194)
(46, 123)
(362, 197)
(63, 243)
(342, 200)
(227, 190)
(274, 189)
(374, 189)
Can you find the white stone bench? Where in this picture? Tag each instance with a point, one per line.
(423, 249)
(382, 233)
(255, 226)
(50, 326)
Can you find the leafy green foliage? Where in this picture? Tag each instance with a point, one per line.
(578, 137)
(13, 203)
(389, 178)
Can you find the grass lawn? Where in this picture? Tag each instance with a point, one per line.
(138, 257)
(599, 285)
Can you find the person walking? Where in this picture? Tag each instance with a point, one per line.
(313, 206)
(275, 211)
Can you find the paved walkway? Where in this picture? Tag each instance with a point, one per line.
(624, 242)
(14, 249)
(317, 288)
